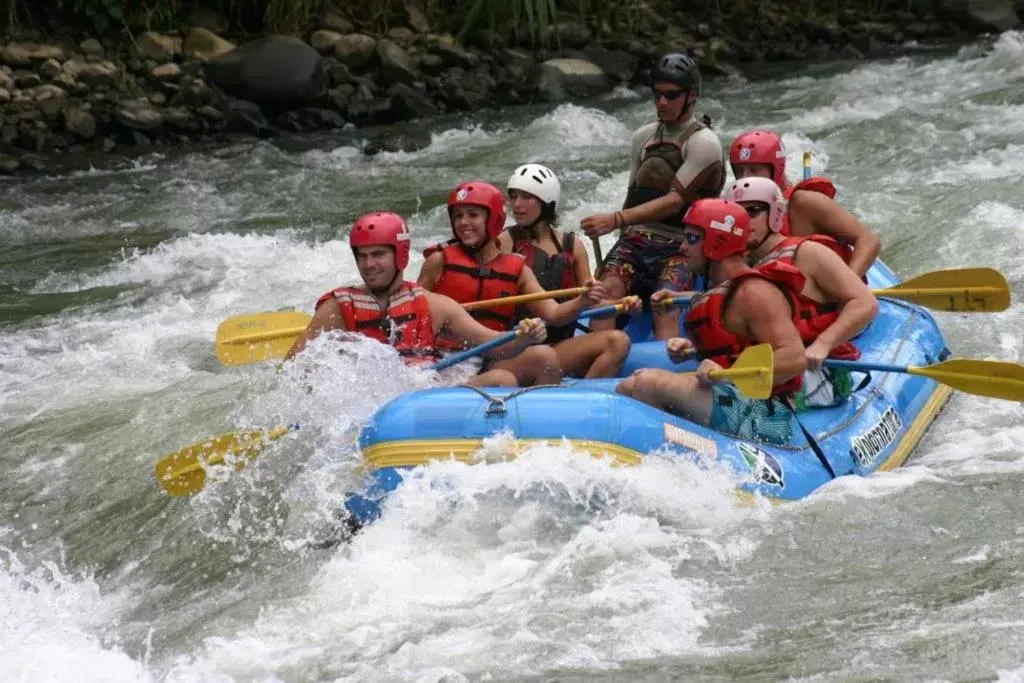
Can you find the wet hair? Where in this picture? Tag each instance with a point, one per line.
(548, 214)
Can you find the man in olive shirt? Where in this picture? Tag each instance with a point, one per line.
(673, 162)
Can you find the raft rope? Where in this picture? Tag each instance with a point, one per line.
(496, 406)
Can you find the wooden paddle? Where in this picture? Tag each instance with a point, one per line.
(995, 379)
(257, 337)
(959, 290)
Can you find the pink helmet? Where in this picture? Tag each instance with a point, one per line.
(760, 190)
(479, 193)
(381, 228)
(725, 224)
(760, 147)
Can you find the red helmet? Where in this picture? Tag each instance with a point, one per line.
(760, 147)
(725, 224)
(381, 228)
(479, 193)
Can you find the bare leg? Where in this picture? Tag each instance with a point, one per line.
(535, 365)
(666, 325)
(616, 290)
(493, 378)
(674, 393)
(598, 354)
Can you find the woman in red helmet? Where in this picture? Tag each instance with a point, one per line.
(473, 268)
(744, 307)
(399, 313)
(811, 208)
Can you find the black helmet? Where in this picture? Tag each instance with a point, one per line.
(677, 68)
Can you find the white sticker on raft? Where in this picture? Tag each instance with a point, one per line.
(866, 447)
(695, 442)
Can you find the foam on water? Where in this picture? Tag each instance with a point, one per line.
(554, 560)
(55, 627)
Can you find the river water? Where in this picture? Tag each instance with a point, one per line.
(112, 284)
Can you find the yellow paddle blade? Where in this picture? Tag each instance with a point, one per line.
(260, 336)
(182, 473)
(752, 373)
(965, 290)
(996, 379)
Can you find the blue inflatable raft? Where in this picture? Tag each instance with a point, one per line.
(875, 429)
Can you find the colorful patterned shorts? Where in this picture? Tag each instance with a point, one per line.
(646, 263)
(755, 419)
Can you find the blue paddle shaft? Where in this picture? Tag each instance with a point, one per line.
(505, 338)
(858, 365)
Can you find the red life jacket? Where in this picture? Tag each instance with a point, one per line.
(705, 321)
(553, 272)
(816, 184)
(407, 324)
(811, 317)
(466, 280)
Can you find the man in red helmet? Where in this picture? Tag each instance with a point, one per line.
(834, 304)
(744, 307)
(400, 313)
(673, 162)
(811, 208)
(473, 268)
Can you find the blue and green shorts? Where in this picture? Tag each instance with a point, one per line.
(750, 418)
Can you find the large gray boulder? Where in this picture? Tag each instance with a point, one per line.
(276, 72)
(561, 78)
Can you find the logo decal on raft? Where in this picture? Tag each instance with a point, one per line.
(865, 447)
(694, 442)
(766, 467)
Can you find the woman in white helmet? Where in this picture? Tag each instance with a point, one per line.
(559, 261)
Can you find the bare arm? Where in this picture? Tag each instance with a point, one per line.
(431, 271)
(447, 313)
(581, 262)
(769, 320)
(840, 284)
(822, 214)
(327, 317)
(551, 312)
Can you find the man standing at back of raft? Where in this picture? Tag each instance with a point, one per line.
(673, 162)
(744, 307)
(402, 314)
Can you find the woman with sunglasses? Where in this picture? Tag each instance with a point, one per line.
(673, 162)
(811, 208)
(559, 261)
(833, 306)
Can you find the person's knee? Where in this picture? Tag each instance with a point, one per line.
(494, 378)
(618, 344)
(545, 360)
(626, 387)
(614, 284)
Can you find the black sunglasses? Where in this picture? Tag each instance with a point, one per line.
(692, 237)
(755, 210)
(670, 95)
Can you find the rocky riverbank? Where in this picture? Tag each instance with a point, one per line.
(194, 86)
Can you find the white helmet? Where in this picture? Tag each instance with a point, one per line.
(537, 180)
